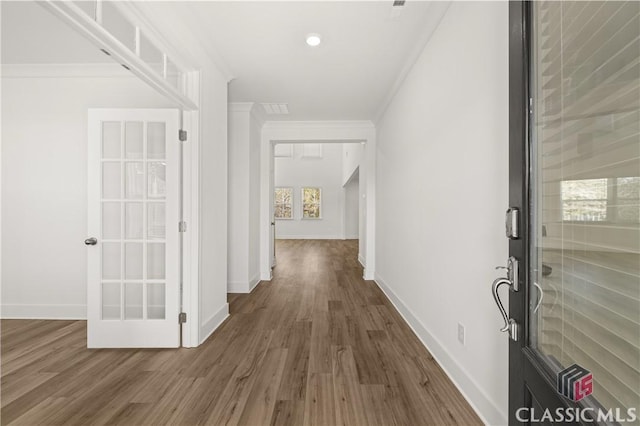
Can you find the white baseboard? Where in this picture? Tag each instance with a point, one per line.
(361, 260)
(237, 287)
(309, 237)
(253, 282)
(243, 286)
(213, 322)
(46, 312)
(266, 275)
(483, 406)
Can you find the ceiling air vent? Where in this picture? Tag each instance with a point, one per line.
(396, 10)
(276, 109)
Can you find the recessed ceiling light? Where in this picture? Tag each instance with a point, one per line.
(313, 39)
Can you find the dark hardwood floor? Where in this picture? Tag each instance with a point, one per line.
(317, 345)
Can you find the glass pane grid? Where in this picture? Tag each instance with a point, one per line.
(133, 213)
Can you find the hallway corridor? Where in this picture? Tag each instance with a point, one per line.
(315, 346)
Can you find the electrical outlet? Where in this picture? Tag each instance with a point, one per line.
(461, 333)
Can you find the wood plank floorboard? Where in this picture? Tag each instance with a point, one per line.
(317, 346)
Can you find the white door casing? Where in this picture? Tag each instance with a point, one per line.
(133, 281)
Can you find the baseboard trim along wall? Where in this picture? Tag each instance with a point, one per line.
(361, 260)
(243, 286)
(238, 287)
(210, 325)
(44, 312)
(485, 408)
(309, 237)
(254, 282)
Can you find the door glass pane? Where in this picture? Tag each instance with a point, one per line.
(155, 261)
(156, 141)
(156, 300)
(133, 139)
(157, 185)
(133, 261)
(585, 224)
(111, 301)
(111, 139)
(156, 222)
(111, 180)
(133, 301)
(134, 180)
(111, 261)
(133, 221)
(111, 221)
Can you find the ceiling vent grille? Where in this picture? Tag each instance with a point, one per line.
(398, 2)
(276, 109)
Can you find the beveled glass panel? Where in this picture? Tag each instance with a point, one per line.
(111, 218)
(111, 135)
(110, 261)
(150, 54)
(134, 180)
(133, 261)
(156, 300)
(133, 301)
(111, 178)
(156, 221)
(110, 301)
(118, 25)
(174, 76)
(156, 141)
(155, 261)
(157, 185)
(133, 139)
(133, 221)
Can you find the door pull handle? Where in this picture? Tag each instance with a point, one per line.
(510, 324)
(91, 241)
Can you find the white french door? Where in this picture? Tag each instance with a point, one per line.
(133, 241)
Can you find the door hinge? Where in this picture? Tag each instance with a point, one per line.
(182, 318)
(182, 135)
(182, 226)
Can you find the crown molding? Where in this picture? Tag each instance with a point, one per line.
(102, 70)
(319, 124)
(435, 13)
(240, 106)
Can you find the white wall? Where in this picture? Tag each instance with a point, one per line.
(213, 180)
(442, 189)
(44, 188)
(255, 138)
(352, 158)
(244, 198)
(352, 208)
(326, 172)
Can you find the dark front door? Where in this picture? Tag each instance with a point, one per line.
(574, 225)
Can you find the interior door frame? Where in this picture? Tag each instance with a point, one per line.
(529, 375)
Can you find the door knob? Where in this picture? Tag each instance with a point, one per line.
(91, 241)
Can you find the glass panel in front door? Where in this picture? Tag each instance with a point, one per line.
(133, 220)
(585, 192)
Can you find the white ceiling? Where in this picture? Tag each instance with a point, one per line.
(350, 76)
